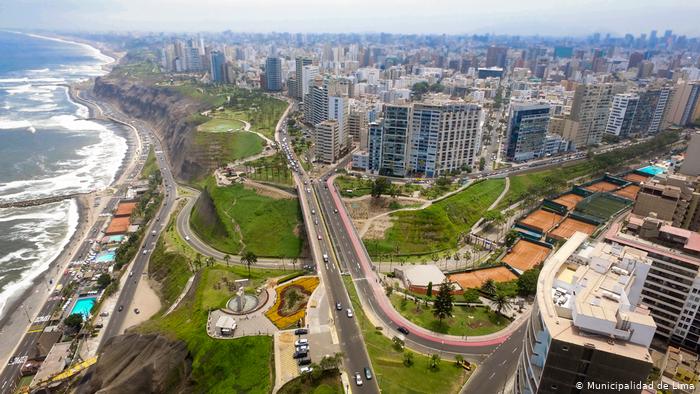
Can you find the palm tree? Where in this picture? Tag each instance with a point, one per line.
(467, 257)
(210, 261)
(489, 287)
(249, 258)
(294, 263)
(456, 257)
(227, 259)
(502, 301)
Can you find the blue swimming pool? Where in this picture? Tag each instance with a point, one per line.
(83, 306)
(106, 257)
(652, 170)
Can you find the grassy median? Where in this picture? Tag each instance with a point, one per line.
(388, 363)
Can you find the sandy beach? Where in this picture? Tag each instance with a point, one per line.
(23, 308)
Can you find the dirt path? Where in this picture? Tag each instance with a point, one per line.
(268, 191)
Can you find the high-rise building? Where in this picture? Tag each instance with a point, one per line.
(527, 128)
(635, 60)
(691, 163)
(496, 56)
(374, 145)
(328, 141)
(300, 62)
(670, 290)
(273, 73)
(218, 64)
(650, 111)
(646, 68)
(585, 327)
(684, 108)
(622, 112)
(586, 124)
(358, 126)
(328, 99)
(308, 74)
(672, 198)
(445, 137)
(193, 60)
(390, 140)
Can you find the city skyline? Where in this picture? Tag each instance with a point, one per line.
(548, 18)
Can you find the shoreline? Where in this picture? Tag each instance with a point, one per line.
(29, 302)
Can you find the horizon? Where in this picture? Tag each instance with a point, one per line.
(449, 17)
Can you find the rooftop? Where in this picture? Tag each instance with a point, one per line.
(591, 295)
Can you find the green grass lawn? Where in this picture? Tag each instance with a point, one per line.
(391, 374)
(244, 365)
(464, 321)
(266, 226)
(328, 383)
(218, 125)
(227, 147)
(601, 205)
(271, 169)
(150, 167)
(437, 227)
(521, 185)
(358, 187)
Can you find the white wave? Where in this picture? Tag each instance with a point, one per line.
(6, 124)
(50, 231)
(39, 108)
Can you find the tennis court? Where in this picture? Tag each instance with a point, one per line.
(474, 279)
(569, 200)
(525, 255)
(569, 226)
(542, 220)
(602, 186)
(629, 192)
(634, 177)
(601, 206)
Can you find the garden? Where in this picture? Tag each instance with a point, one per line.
(290, 305)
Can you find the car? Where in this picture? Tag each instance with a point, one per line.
(349, 312)
(358, 379)
(121, 308)
(302, 348)
(301, 331)
(335, 210)
(131, 273)
(338, 306)
(368, 373)
(313, 211)
(304, 370)
(403, 330)
(137, 311)
(187, 237)
(316, 222)
(145, 251)
(304, 361)
(319, 237)
(300, 342)
(300, 354)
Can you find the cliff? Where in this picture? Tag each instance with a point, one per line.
(135, 363)
(168, 112)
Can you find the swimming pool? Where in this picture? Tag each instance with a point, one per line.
(106, 257)
(652, 170)
(83, 306)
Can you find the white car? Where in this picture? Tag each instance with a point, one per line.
(304, 370)
(301, 342)
(349, 312)
(358, 379)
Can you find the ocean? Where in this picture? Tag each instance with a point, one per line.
(48, 147)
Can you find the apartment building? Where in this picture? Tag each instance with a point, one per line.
(587, 122)
(527, 128)
(672, 198)
(328, 142)
(622, 112)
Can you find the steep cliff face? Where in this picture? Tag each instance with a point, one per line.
(168, 112)
(135, 363)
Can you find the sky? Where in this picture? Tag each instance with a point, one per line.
(523, 17)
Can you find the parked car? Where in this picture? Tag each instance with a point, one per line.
(304, 361)
(300, 354)
(301, 331)
(302, 341)
(304, 370)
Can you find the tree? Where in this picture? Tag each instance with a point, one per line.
(408, 357)
(331, 362)
(434, 362)
(74, 321)
(467, 256)
(442, 307)
(227, 259)
(104, 280)
(210, 261)
(249, 258)
(527, 282)
(492, 216)
(502, 301)
(398, 343)
(482, 164)
(489, 287)
(442, 182)
(511, 237)
(198, 261)
(471, 296)
(316, 372)
(429, 292)
(380, 186)
(459, 359)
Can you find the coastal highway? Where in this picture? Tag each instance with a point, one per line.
(126, 301)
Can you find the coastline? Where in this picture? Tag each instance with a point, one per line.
(26, 304)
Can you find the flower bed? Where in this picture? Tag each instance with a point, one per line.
(290, 305)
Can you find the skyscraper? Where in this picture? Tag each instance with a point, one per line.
(622, 112)
(585, 328)
(218, 62)
(496, 56)
(308, 74)
(273, 73)
(650, 111)
(328, 141)
(589, 114)
(445, 137)
(684, 107)
(299, 63)
(527, 128)
(395, 134)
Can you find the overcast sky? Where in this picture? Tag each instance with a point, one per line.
(546, 17)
